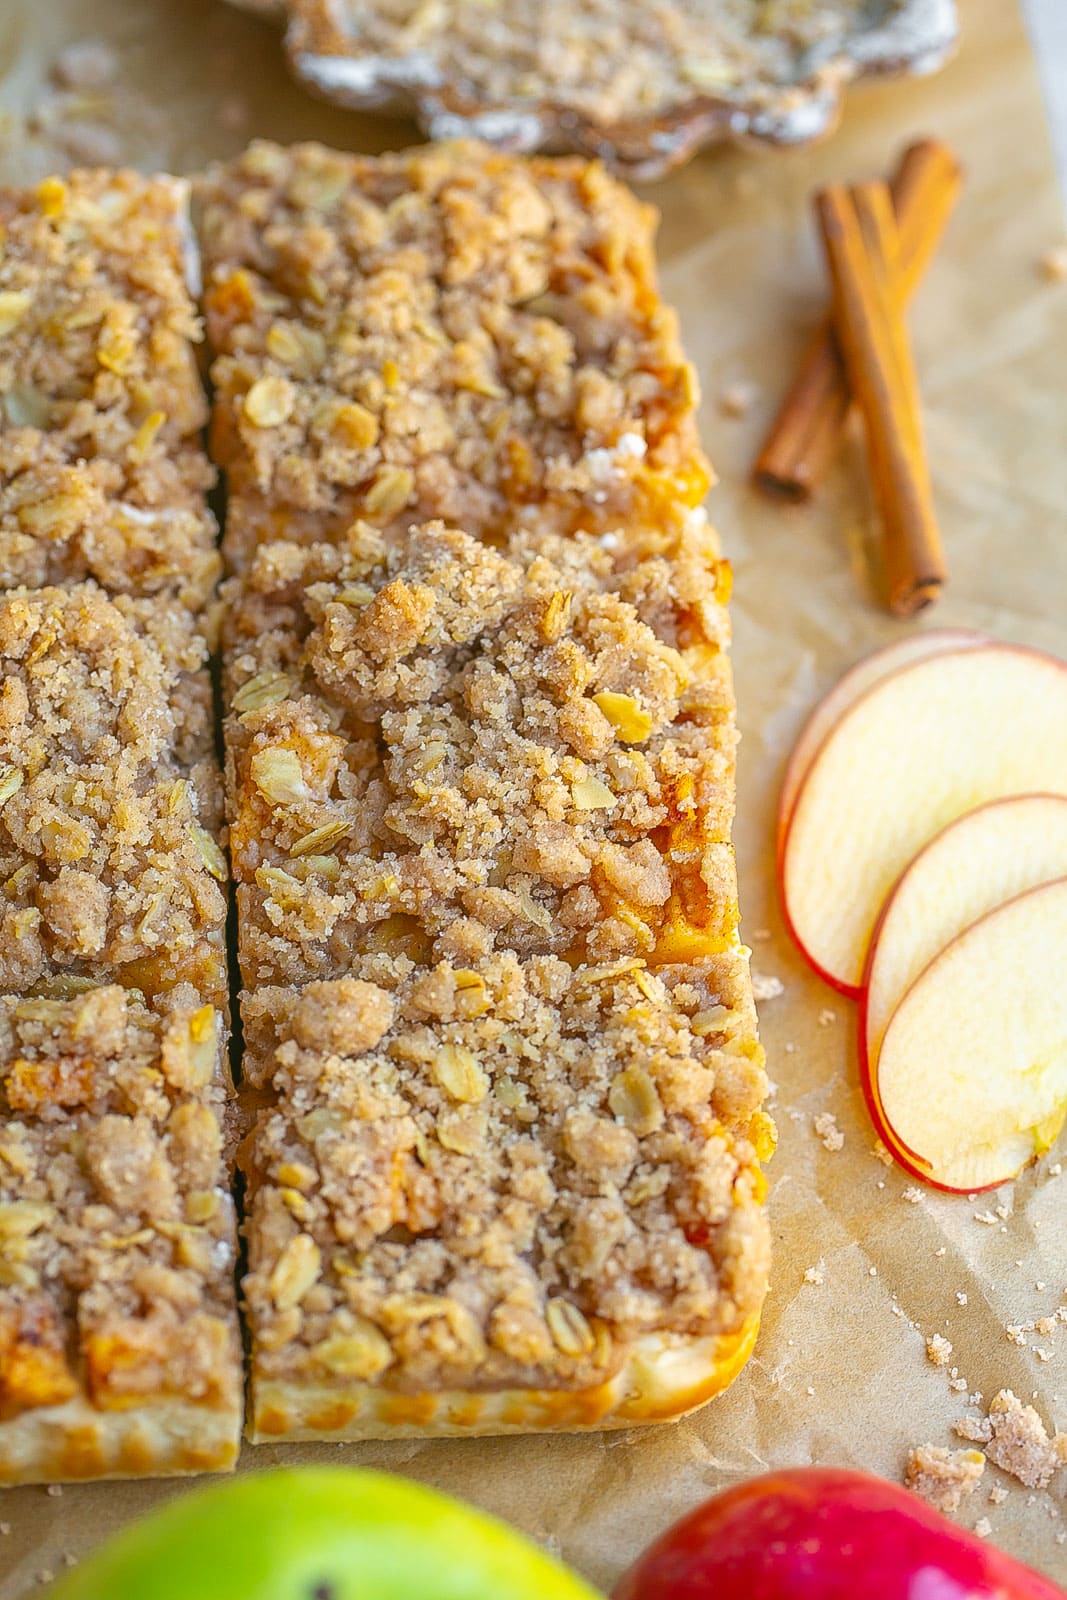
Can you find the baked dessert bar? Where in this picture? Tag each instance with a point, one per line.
(110, 800)
(102, 473)
(120, 1352)
(503, 1197)
(448, 746)
(447, 332)
(640, 85)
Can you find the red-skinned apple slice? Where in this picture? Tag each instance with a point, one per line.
(972, 1075)
(916, 751)
(974, 865)
(863, 676)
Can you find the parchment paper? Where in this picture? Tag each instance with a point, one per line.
(840, 1374)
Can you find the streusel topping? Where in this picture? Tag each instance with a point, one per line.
(447, 746)
(109, 865)
(117, 1240)
(500, 1175)
(448, 332)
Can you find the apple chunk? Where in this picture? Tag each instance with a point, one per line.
(863, 676)
(971, 867)
(972, 1075)
(920, 748)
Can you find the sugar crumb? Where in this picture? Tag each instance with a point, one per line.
(766, 987)
(997, 1495)
(912, 1194)
(943, 1478)
(1016, 1440)
(987, 1217)
(825, 1126)
(815, 1274)
(983, 1527)
(938, 1350)
(880, 1153)
(961, 1298)
(827, 1016)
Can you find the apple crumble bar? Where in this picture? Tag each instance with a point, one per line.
(448, 332)
(507, 1196)
(447, 746)
(102, 473)
(110, 798)
(119, 1346)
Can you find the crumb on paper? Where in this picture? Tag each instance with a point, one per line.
(1016, 1332)
(815, 1274)
(1055, 1169)
(961, 1298)
(912, 1194)
(760, 935)
(70, 1560)
(1042, 1355)
(55, 1489)
(826, 1129)
(872, 1272)
(880, 1153)
(1016, 1440)
(737, 399)
(86, 64)
(997, 1495)
(827, 1016)
(790, 1049)
(987, 1217)
(766, 987)
(943, 1478)
(938, 1350)
(958, 1385)
(940, 1252)
(983, 1527)
(5, 1529)
(1052, 265)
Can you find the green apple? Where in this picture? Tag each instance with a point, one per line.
(320, 1534)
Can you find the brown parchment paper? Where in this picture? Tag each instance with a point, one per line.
(840, 1373)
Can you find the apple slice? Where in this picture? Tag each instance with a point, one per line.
(972, 1075)
(863, 676)
(920, 748)
(974, 865)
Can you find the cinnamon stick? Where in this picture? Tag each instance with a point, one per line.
(862, 251)
(807, 431)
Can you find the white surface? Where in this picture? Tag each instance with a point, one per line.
(1048, 27)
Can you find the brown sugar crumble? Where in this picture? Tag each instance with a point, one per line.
(116, 1222)
(827, 1132)
(500, 1175)
(943, 1478)
(440, 745)
(448, 332)
(1016, 1440)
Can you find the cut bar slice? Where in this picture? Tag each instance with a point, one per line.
(109, 795)
(443, 746)
(98, 375)
(448, 332)
(505, 1197)
(119, 1346)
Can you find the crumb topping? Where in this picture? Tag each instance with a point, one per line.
(1016, 1440)
(108, 794)
(117, 1240)
(467, 746)
(502, 1174)
(944, 1478)
(448, 332)
(97, 325)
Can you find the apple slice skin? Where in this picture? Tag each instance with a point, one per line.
(844, 694)
(820, 1533)
(998, 684)
(319, 1534)
(1030, 932)
(1036, 854)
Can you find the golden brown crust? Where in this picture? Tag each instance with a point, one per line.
(447, 333)
(502, 1177)
(118, 1329)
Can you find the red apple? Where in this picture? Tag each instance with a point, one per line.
(920, 748)
(863, 676)
(821, 1533)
